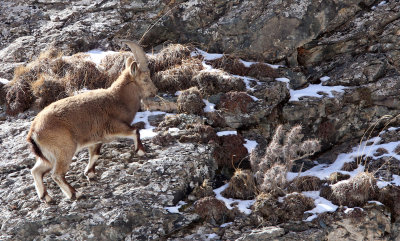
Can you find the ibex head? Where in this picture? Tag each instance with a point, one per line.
(139, 70)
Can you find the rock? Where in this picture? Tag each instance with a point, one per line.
(372, 222)
(230, 151)
(263, 234)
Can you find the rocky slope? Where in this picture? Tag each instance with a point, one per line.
(345, 53)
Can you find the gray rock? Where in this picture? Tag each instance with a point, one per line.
(263, 234)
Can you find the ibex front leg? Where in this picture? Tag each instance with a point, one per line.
(139, 148)
(94, 152)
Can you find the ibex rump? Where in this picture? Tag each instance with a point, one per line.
(88, 120)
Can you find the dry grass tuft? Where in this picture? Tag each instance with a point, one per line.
(51, 53)
(213, 210)
(48, 89)
(19, 96)
(211, 83)
(178, 77)
(305, 183)
(202, 191)
(355, 191)
(292, 207)
(114, 64)
(262, 71)
(190, 101)
(85, 74)
(349, 166)
(241, 185)
(169, 56)
(229, 64)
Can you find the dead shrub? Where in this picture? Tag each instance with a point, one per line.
(169, 56)
(190, 101)
(241, 185)
(284, 148)
(262, 71)
(355, 191)
(213, 210)
(230, 151)
(114, 64)
(178, 77)
(295, 204)
(50, 53)
(19, 95)
(305, 183)
(229, 64)
(291, 208)
(3, 93)
(60, 67)
(48, 89)
(349, 166)
(211, 83)
(85, 74)
(199, 133)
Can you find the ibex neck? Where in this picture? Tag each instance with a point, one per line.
(128, 91)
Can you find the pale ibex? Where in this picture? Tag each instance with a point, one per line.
(88, 120)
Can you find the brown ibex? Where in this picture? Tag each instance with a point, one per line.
(88, 120)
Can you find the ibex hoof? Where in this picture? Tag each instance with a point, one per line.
(76, 196)
(141, 152)
(91, 176)
(47, 199)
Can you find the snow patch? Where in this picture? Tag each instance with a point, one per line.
(4, 81)
(175, 209)
(147, 132)
(210, 107)
(230, 203)
(322, 205)
(96, 55)
(250, 145)
(226, 133)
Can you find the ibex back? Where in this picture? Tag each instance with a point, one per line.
(88, 120)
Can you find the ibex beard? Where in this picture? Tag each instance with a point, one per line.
(87, 120)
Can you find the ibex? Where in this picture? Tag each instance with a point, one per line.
(88, 120)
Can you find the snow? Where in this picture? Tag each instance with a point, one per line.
(147, 132)
(224, 225)
(313, 90)
(250, 145)
(248, 64)
(4, 81)
(175, 209)
(226, 133)
(347, 210)
(321, 204)
(207, 56)
(212, 236)
(230, 203)
(96, 55)
(210, 107)
(325, 78)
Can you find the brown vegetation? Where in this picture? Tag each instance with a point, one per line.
(241, 185)
(190, 101)
(355, 191)
(305, 183)
(212, 210)
(215, 82)
(178, 77)
(168, 57)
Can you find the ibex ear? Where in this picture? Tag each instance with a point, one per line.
(133, 68)
(128, 62)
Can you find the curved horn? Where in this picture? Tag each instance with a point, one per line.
(139, 54)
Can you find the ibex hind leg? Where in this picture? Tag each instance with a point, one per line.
(61, 166)
(94, 152)
(38, 171)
